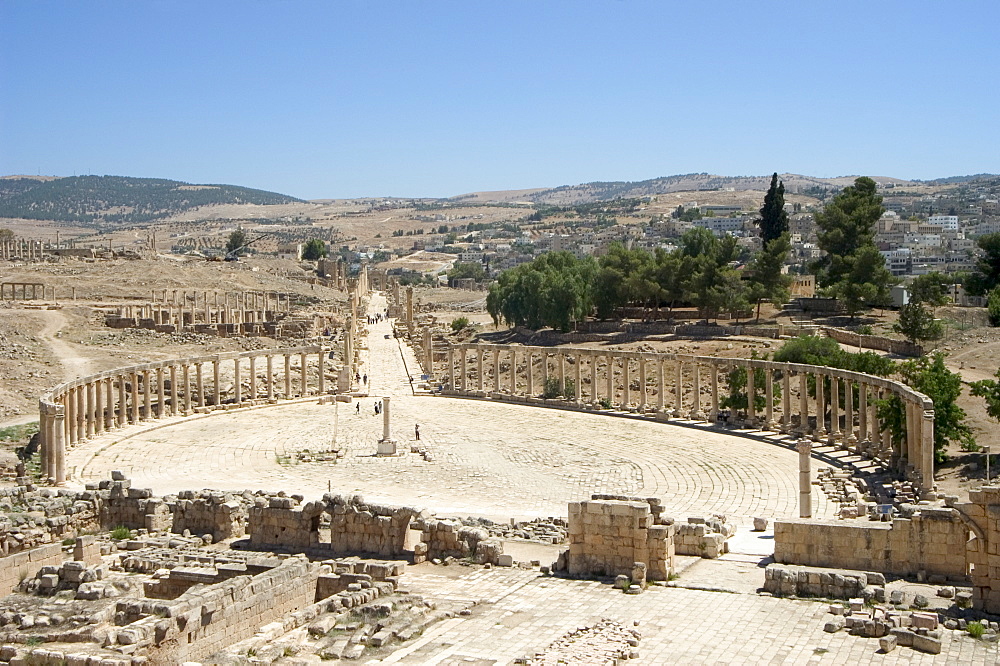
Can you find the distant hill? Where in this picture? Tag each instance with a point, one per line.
(118, 199)
(692, 182)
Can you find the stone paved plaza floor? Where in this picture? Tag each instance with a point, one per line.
(521, 612)
(489, 458)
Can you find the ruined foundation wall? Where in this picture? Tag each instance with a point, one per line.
(357, 527)
(608, 536)
(932, 541)
(206, 620)
(26, 563)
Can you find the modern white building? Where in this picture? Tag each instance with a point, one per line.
(946, 222)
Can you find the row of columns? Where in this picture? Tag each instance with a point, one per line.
(94, 405)
(842, 412)
(25, 291)
(28, 250)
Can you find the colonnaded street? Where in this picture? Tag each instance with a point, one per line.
(484, 458)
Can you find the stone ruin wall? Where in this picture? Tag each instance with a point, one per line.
(932, 541)
(206, 620)
(960, 542)
(607, 538)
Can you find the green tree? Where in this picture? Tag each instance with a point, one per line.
(555, 289)
(313, 250)
(766, 281)
(773, 219)
(929, 375)
(236, 242)
(852, 268)
(929, 289)
(6, 235)
(866, 284)
(623, 278)
(993, 307)
(917, 323)
(466, 269)
(987, 274)
(989, 390)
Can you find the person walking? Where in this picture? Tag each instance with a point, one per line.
(416, 431)
(358, 408)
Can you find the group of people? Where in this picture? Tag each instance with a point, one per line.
(376, 318)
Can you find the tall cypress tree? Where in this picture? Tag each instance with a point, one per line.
(773, 219)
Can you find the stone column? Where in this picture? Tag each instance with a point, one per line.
(81, 411)
(186, 374)
(804, 447)
(101, 416)
(463, 371)
(769, 399)
(175, 396)
(643, 397)
(863, 416)
(122, 404)
(270, 376)
(109, 412)
(497, 386)
(513, 371)
(908, 440)
(834, 410)
(45, 440)
(238, 380)
(696, 413)
(253, 378)
(593, 379)
(200, 380)
(288, 376)
(135, 397)
(561, 367)
(679, 389)
(786, 401)
(850, 438)
(660, 385)
(545, 369)
(58, 446)
(751, 395)
(321, 370)
(451, 367)
(713, 414)
(479, 369)
(926, 478)
(302, 375)
(610, 380)
(88, 414)
(216, 383)
(820, 431)
(578, 377)
(386, 445)
(803, 429)
(626, 382)
(147, 394)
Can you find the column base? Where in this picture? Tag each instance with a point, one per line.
(387, 447)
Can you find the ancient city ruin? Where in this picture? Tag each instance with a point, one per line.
(100, 571)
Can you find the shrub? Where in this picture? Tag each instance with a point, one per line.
(975, 629)
(459, 323)
(121, 533)
(865, 329)
(552, 389)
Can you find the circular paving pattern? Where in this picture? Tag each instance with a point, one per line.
(486, 458)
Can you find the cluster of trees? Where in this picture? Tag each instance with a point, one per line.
(120, 199)
(852, 269)
(558, 289)
(466, 269)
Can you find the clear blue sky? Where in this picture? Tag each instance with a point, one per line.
(425, 98)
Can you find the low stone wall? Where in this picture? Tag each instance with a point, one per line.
(206, 620)
(280, 522)
(607, 537)
(932, 541)
(26, 563)
(703, 537)
(222, 515)
(782, 580)
(901, 347)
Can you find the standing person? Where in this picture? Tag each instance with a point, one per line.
(365, 379)
(416, 431)
(357, 408)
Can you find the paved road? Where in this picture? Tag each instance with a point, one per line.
(490, 459)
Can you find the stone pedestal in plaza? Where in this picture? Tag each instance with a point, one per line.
(386, 445)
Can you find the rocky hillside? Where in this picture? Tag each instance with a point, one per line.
(118, 199)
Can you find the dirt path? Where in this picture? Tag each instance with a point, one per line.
(73, 364)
